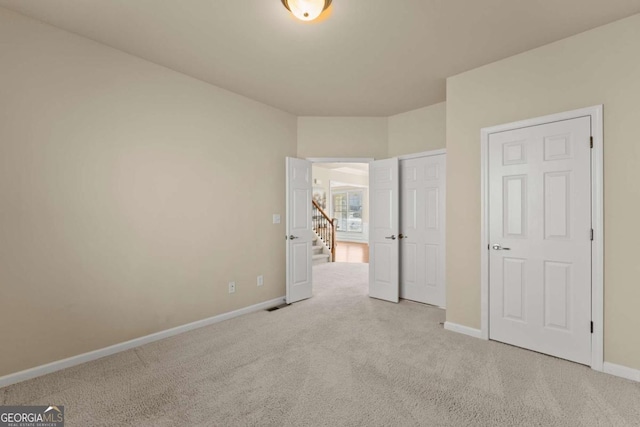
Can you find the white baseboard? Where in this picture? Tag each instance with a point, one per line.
(621, 371)
(454, 327)
(127, 345)
(608, 368)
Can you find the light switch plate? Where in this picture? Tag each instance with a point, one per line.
(276, 218)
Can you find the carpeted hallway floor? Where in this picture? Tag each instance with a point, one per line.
(339, 358)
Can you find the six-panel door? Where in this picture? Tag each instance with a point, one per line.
(422, 227)
(383, 230)
(299, 233)
(540, 237)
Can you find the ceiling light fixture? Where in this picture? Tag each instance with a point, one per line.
(306, 10)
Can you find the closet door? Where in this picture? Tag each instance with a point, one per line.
(383, 230)
(422, 229)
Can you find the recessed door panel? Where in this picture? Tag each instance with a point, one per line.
(432, 264)
(514, 153)
(557, 295)
(557, 204)
(513, 288)
(382, 176)
(433, 208)
(557, 147)
(300, 254)
(409, 211)
(409, 174)
(409, 263)
(515, 206)
(432, 171)
(383, 206)
(302, 214)
(382, 262)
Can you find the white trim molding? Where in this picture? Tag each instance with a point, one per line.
(597, 218)
(423, 154)
(127, 345)
(622, 371)
(340, 159)
(461, 329)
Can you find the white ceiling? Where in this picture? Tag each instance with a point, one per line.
(364, 58)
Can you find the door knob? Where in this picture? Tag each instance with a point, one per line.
(402, 236)
(392, 237)
(499, 248)
(293, 237)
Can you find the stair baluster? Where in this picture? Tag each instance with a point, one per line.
(324, 227)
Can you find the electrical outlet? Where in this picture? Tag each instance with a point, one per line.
(232, 287)
(260, 280)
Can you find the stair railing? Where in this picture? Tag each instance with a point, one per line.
(324, 227)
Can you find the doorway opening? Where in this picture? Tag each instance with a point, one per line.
(341, 193)
(328, 211)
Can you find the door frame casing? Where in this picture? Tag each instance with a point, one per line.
(430, 153)
(597, 221)
(340, 159)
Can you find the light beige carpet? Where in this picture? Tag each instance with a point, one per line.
(339, 358)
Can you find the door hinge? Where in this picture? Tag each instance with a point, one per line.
(591, 327)
(591, 141)
(592, 234)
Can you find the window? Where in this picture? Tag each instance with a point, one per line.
(347, 208)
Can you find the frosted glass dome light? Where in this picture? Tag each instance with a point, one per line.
(306, 10)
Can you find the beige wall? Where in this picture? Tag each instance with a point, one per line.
(418, 130)
(342, 137)
(131, 195)
(415, 131)
(601, 66)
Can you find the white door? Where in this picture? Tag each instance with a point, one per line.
(422, 227)
(383, 230)
(299, 233)
(540, 238)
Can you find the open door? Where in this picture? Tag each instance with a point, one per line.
(299, 233)
(384, 221)
(422, 227)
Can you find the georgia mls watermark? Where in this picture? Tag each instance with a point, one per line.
(31, 416)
